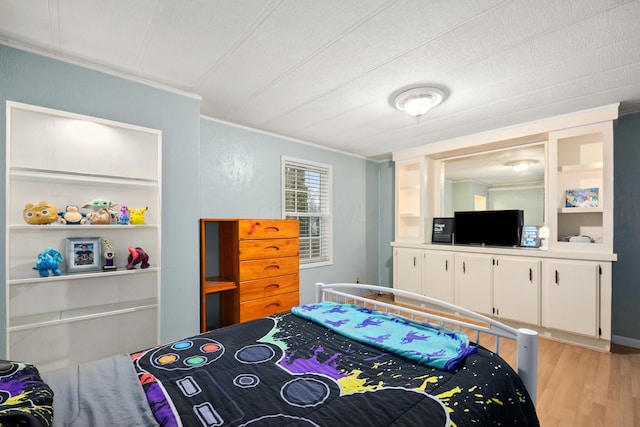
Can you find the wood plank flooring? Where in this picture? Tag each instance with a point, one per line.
(581, 387)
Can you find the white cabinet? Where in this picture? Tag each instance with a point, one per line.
(581, 185)
(407, 269)
(438, 278)
(474, 276)
(571, 295)
(410, 200)
(69, 159)
(516, 289)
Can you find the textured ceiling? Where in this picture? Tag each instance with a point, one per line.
(324, 71)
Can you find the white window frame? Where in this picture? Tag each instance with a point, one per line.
(326, 219)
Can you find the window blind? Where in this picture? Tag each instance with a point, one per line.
(307, 198)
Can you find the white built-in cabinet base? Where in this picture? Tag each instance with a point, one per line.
(556, 294)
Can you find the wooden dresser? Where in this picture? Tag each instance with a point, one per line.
(251, 264)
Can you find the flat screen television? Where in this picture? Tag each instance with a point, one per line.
(489, 228)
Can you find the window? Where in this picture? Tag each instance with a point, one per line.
(306, 196)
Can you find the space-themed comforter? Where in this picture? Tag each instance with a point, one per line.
(289, 370)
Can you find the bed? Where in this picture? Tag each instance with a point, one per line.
(346, 359)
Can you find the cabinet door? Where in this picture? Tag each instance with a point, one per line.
(571, 296)
(473, 282)
(407, 270)
(516, 289)
(438, 275)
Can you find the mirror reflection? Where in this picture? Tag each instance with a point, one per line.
(511, 178)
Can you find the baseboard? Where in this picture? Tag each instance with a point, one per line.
(625, 341)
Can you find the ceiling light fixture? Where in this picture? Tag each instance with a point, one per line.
(521, 165)
(417, 101)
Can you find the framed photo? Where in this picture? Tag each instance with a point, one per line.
(530, 236)
(84, 254)
(443, 230)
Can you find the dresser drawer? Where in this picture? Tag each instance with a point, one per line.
(262, 288)
(268, 306)
(268, 248)
(263, 268)
(267, 228)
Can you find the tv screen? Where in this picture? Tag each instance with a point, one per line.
(489, 228)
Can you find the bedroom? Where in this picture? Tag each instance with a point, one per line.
(363, 221)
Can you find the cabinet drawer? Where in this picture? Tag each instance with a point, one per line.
(267, 228)
(268, 306)
(263, 268)
(262, 288)
(268, 248)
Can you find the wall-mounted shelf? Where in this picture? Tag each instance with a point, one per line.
(597, 209)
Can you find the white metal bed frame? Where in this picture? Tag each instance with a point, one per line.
(526, 339)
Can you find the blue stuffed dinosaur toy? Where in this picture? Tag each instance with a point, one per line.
(47, 260)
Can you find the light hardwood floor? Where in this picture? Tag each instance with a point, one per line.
(581, 387)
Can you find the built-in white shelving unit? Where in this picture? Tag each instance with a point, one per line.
(70, 159)
(563, 289)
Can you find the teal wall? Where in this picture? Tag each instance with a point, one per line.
(227, 171)
(626, 229)
(37, 80)
(241, 178)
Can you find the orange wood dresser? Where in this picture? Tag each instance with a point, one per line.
(252, 264)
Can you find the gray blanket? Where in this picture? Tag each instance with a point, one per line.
(101, 393)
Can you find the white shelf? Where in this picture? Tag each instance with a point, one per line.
(79, 314)
(82, 276)
(79, 178)
(67, 228)
(589, 167)
(578, 210)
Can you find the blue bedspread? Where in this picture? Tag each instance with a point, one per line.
(432, 345)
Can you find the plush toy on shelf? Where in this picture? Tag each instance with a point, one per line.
(72, 216)
(137, 256)
(42, 213)
(47, 260)
(102, 212)
(123, 218)
(137, 215)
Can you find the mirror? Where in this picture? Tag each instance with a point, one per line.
(492, 180)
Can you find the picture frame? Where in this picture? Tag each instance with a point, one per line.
(443, 230)
(530, 236)
(83, 254)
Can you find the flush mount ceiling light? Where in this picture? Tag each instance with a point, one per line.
(418, 101)
(521, 165)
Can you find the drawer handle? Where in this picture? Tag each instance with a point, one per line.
(272, 248)
(273, 285)
(271, 229)
(273, 304)
(272, 267)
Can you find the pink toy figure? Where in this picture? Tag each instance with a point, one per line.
(137, 256)
(123, 219)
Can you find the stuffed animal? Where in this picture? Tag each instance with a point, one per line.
(123, 219)
(47, 260)
(137, 256)
(102, 212)
(72, 216)
(137, 215)
(42, 213)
